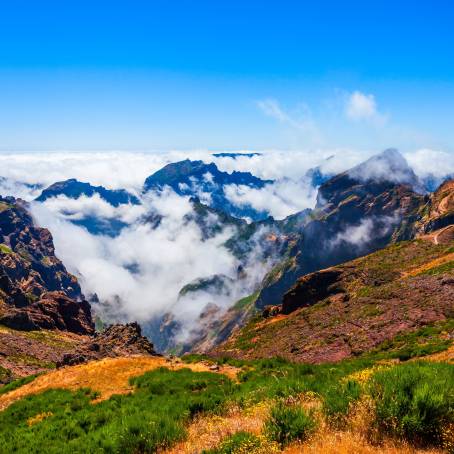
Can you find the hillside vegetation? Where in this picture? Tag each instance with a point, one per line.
(371, 401)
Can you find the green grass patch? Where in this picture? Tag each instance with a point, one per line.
(422, 342)
(151, 418)
(441, 269)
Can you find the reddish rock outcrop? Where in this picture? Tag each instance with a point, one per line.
(116, 340)
(36, 290)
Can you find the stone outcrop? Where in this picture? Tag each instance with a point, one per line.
(115, 340)
(36, 290)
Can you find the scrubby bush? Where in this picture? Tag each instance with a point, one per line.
(415, 400)
(286, 424)
(240, 442)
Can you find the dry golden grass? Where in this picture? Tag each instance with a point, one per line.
(427, 266)
(338, 442)
(108, 376)
(446, 356)
(207, 432)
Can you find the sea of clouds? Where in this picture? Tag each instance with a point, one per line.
(141, 271)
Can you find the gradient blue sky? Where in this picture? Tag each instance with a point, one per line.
(138, 75)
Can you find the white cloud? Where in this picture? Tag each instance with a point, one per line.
(360, 106)
(427, 162)
(280, 199)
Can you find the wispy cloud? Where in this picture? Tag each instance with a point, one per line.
(301, 120)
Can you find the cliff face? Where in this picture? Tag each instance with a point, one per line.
(36, 290)
(357, 212)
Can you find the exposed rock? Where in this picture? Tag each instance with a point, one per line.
(36, 290)
(115, 340)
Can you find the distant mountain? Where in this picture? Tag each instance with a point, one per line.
(206, 181)
(96, 225)
(235, 155)
(74, 189)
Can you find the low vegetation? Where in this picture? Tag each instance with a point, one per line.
(411, 401)
(289, 423)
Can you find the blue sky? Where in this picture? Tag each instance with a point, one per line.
(142, 75)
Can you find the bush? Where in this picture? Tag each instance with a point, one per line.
(286, 424)
(415, 401)
(337, 399)
(239, 442)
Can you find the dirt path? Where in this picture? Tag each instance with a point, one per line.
(444, 235)
(108, 376)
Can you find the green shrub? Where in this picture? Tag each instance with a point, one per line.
(415, 400)
(286, 424)
(238, 442)
(337, 399)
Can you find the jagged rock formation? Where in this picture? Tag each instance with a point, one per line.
(36, 291)
(44, 318)
(115, 340)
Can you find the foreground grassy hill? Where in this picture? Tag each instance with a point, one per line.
(371, 404)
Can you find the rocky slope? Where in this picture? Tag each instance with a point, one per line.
(44, 318)
(353, 308)
(357, 212)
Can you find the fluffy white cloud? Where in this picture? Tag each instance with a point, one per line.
(427, 162)
(280, 199)
(360, 105)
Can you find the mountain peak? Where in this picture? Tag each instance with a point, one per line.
(388, 165)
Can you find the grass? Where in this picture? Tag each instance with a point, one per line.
(413, 400)
(239, 442)
(4, 249)
(441, 269)
(153, 417)
(422, 342)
